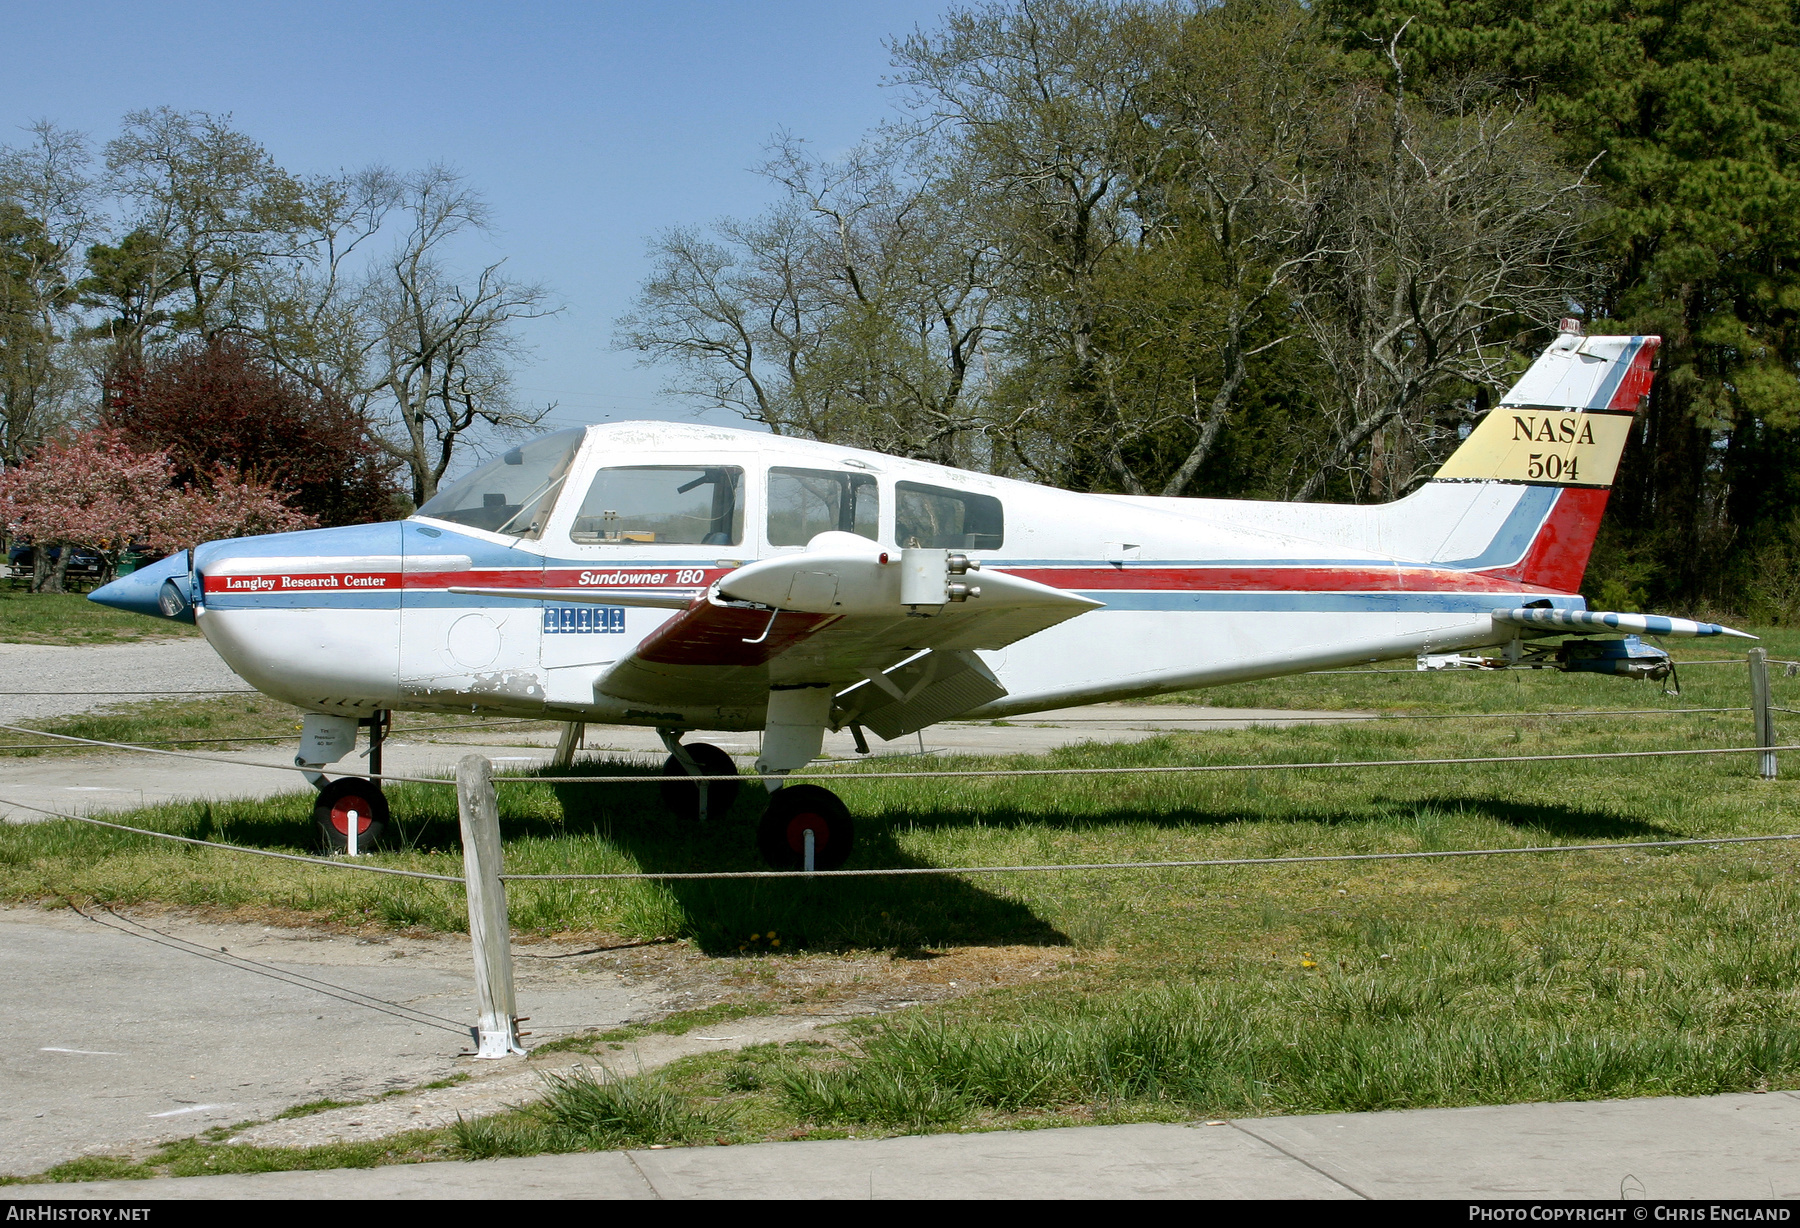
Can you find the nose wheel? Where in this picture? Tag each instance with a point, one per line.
(348, 800)
(793, 812)
(682, 796)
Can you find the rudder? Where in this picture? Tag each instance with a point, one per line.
(1563, 426)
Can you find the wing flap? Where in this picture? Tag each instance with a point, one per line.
(923, 691)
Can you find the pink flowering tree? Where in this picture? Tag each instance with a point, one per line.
(94, 490)
(226, 506)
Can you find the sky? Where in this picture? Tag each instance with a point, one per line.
(588, 127)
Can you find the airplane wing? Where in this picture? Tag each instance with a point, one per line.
(841, 612)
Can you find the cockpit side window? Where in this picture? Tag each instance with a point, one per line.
(804, 503)
(513, 494)
(665, 505)
(939, 518)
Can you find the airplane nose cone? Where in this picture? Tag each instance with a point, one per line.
(141, 592)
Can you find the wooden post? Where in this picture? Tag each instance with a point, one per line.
(1759, 700)
(497, 1032)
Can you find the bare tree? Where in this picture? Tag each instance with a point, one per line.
(1453, 230)
(312, 310)
(439, 350)
(856, 310)
(1040, 106)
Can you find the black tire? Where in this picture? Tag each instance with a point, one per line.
(682, 796)
(781, 834)
(332, 810)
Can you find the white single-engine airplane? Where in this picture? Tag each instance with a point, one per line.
(684, 577)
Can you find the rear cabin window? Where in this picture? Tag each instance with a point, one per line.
(939, 518)
(804, 503)
(513, 494)
(663, 505)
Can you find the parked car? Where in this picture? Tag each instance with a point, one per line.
(83, 563)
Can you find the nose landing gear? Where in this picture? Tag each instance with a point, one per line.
(347, 800)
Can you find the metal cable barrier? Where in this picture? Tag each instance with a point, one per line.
(334, 863)
(497, 1034)
(965, 773)
(300, 980)
(1159, 865)
(1349, 718)
(910, 871)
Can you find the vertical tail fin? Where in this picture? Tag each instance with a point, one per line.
(1557, 436)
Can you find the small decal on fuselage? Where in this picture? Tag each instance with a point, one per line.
(584, 620)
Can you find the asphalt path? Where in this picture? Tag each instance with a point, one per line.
(95, 782)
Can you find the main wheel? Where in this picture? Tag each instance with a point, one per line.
(682, 795)
(346, 800)
(781, 836)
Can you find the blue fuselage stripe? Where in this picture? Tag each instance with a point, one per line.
(1314, 603)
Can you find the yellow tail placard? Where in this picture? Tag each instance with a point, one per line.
(1562, 447)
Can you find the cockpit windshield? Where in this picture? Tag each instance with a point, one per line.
(513, 494)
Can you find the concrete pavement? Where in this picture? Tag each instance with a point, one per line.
(121, 1033)
(1718, 1147)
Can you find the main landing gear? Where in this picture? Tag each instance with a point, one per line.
(799, 815)
(696, 799)
(804, 827)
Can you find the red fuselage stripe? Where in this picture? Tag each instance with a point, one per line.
(1569, 520)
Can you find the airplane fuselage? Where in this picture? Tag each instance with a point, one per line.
(414, 615)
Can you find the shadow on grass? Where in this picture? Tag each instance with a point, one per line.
(1554, 820)
(1566, 822)
(906, 915)
(585, 827)
(600, 827)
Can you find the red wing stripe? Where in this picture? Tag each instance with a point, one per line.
(708, 634)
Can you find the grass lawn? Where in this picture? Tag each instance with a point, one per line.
(70, 618)
(1249, 990)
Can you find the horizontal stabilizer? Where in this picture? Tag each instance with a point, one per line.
(1584, 622)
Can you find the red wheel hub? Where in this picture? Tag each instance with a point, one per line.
(796, 832)
(345, 807)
